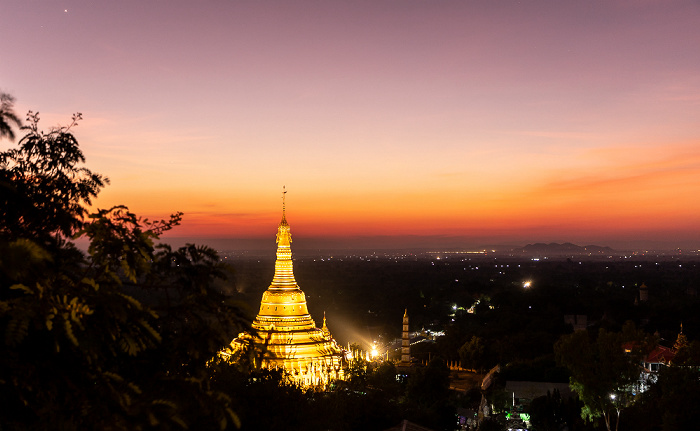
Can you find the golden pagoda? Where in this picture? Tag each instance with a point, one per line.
(287, 337)
(681, 341)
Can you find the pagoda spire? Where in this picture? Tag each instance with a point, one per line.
(284, 195)
(284, 276)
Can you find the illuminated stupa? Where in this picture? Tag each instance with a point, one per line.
(287, 337)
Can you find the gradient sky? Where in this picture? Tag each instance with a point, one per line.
(468, 122)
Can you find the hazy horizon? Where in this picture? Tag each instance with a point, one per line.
(409, 243)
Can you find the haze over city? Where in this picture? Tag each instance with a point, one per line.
(454, 123)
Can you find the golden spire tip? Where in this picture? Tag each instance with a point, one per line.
(284, 195)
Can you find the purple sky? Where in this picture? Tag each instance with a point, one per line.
(484, 120)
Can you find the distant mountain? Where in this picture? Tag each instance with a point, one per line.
(555, 249)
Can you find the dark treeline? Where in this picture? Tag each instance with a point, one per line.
(116, 337)
(374, 292)
(490, 316)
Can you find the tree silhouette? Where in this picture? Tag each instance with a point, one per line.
(46, 189)
(118, 338)
(471, 354)
(8, 117)
(603, 372)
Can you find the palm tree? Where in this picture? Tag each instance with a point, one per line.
(8, 116)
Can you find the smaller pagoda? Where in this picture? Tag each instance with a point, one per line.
(405, 342)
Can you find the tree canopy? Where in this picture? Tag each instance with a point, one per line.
(46, 190)
(604, 370)
(8, 118)
(117, 337)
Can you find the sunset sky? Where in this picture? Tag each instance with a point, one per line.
(447, 122)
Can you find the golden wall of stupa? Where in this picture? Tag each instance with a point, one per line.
(287, 337)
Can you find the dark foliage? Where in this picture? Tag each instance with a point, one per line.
(669, 405)
(372, 400)
(553, 413)
(8, 118)
(118, 338)
(45, 188)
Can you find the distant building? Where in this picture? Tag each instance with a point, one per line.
(578, 321)
(524, 392)
(658, 358)
(643, 293)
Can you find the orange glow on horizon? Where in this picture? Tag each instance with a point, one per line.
(627, 197)
(641, 196)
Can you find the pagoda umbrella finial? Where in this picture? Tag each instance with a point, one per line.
(284, 195)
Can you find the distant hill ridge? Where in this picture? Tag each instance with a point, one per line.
(553, 249)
